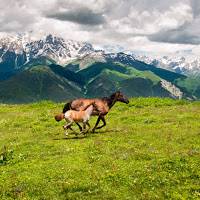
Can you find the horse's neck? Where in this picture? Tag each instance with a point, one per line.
(111, 102)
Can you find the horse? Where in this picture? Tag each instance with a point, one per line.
(72, 116)
(103, 106)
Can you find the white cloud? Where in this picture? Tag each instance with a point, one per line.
(134, 24)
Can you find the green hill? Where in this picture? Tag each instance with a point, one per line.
(150, 149)
(191, 84)
(36, 83)
(163, 73)
(42, 79)
(104, 78)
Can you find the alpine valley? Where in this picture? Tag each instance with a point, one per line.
(54, 69)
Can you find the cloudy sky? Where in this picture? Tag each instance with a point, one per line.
(140, 25)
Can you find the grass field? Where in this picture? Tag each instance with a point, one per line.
(150, 149)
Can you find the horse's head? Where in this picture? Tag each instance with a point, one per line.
(120, 97)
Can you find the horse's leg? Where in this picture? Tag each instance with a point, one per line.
(84, 128)
(80, 128)
(68, 126)
(104, 122)
(87, 123)
(97, 122)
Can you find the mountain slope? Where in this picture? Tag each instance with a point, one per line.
(18, 51)
(190, 84)
(133, 81)
(37, 83)
(30, 71)
(58, 83)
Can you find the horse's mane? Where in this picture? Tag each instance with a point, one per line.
(109, 99)
(67, 107)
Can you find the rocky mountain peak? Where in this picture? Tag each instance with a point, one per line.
(21, 47)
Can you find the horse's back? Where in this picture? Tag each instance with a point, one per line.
(82, 104)
(76, 116)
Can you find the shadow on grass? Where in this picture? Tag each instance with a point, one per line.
(73, 136)
(107, 131)
(88, 135)
(70, 138)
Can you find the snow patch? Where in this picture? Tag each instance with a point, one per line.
(175, 91)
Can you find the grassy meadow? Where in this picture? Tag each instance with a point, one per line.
(150, 149)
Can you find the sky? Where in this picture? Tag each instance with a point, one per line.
(154, 26)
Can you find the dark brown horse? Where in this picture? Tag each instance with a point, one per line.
(103, 105)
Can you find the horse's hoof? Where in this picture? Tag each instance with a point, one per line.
(83, 132)
(66, 133)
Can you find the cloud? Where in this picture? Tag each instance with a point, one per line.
(134, 24)
(83, 16)
(15, 16)
(178, 36)
(195, 7)
(186, 33)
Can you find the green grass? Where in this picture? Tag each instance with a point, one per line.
(150, 149)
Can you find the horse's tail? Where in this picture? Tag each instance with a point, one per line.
(67, 107)
(59, 117)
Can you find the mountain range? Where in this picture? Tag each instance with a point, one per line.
(54, 69)
(188, 65)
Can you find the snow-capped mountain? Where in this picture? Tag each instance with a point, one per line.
(16, 51)
(178, 64)
(184, 62)
(68, 66)
(57, 49)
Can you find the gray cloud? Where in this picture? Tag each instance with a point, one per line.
(83, 16)
(131, 23)
(187, 33)
(195, 7)
(177, 36)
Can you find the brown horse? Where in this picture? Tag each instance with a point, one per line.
(103, 105)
